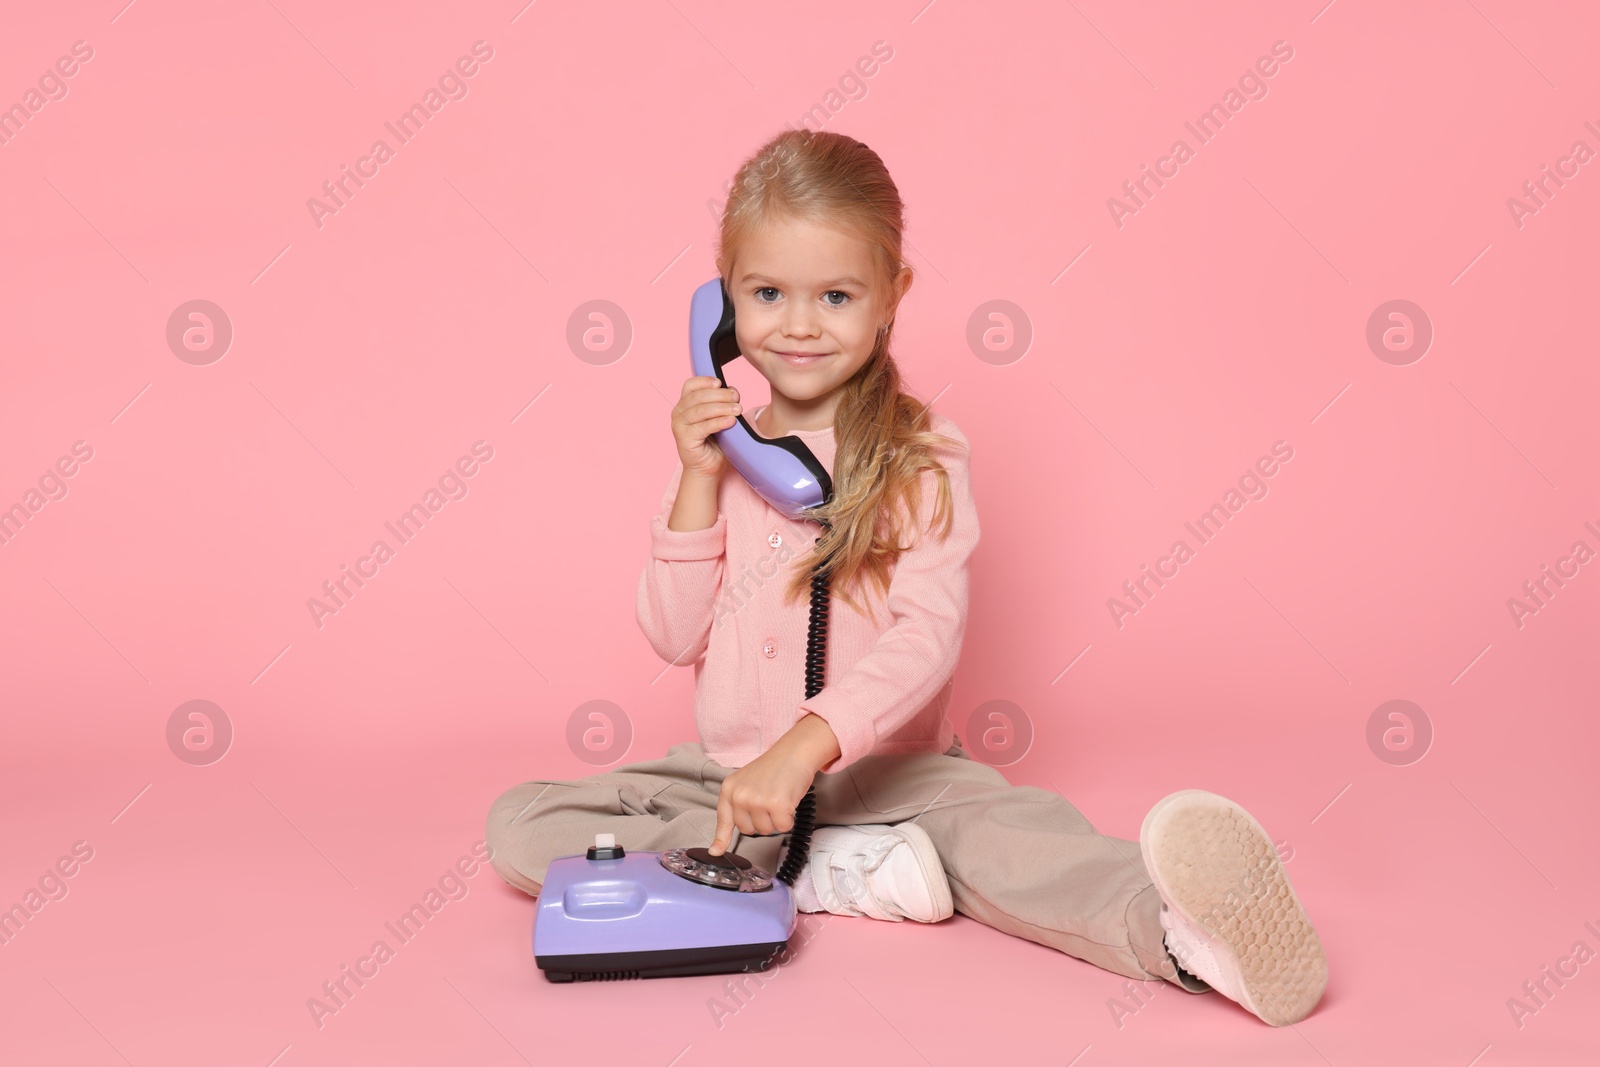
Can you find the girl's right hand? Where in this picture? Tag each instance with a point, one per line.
(704, 408)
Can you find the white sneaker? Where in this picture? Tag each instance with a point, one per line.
(882, 872)
(1231, 917)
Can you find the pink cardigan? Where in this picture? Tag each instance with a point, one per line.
(713, 598)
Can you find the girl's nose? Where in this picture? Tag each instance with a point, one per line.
(799, 323)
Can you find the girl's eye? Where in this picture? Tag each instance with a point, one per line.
(835, 292)
(765, 289)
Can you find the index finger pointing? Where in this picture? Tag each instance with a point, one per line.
(724, 825)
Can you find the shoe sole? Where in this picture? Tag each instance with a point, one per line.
(1213, 862)
(932, 869)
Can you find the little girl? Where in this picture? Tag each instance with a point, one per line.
(908, 826)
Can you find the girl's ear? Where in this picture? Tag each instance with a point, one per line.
(902, 281)
(897, 290)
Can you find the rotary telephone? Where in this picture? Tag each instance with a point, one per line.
(614, 914)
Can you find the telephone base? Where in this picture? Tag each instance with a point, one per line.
(621, 914)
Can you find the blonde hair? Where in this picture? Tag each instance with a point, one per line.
(883, 436)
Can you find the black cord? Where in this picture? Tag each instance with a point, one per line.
(805, 814)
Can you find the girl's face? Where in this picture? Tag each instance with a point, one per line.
(806, 307)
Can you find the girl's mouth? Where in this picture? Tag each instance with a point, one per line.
(802, 359)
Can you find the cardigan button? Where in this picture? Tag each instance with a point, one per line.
(770, 649)
(775, 541)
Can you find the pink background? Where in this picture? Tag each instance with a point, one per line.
(432, 310)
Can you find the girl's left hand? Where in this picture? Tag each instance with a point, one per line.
(761, 796)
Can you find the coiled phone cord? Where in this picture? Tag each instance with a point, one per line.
(805, 814)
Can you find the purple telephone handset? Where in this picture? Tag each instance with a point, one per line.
(781, 469)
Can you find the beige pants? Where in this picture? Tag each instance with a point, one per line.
(1019, 858)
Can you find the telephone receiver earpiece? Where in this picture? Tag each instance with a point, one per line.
(782, 470)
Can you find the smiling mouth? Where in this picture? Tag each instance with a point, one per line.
(798, 359)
